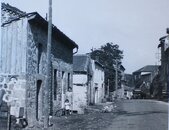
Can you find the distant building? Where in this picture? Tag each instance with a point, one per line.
(88, 82)
(124, 89)
(144, 77)
(129, 80)
(23, 63)
(128, 86)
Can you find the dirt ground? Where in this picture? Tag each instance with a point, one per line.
(89, 121)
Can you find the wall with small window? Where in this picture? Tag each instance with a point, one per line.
(61, 82)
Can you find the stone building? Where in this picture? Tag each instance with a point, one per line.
(23, 51)
(88, 82)
(144, 77)
(164, 68)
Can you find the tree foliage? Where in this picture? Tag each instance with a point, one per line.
(107, 56)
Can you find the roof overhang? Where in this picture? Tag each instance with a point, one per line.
(98, 63)
(37, 19)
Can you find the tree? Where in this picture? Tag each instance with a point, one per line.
(107, 56)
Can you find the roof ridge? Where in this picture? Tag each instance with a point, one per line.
(19, 14)
(13, 9)
(146, 66)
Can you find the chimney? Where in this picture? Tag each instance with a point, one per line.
(167, 30)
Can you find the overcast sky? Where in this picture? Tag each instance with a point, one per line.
(135, 25)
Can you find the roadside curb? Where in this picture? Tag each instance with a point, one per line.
(162, 102)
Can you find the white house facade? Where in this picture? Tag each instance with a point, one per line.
(98, 82)
(82, 82)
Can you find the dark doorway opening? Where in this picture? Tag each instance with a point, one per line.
(39, 99)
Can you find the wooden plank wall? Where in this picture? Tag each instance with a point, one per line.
(13, 47)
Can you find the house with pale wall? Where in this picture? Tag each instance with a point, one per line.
(23, 50)
(82, 82)
(98, 82)
(88, 82)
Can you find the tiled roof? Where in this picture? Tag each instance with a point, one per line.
(148, 68)
(82, 63)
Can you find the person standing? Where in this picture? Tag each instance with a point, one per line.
(67, 107)
(69, 96)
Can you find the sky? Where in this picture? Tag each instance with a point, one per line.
(135, 25)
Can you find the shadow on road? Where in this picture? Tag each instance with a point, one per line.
(140, 113)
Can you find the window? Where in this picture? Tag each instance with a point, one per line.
(63, 83)
(68, 81)
(40, 47)
(63, 74)
(55, 84)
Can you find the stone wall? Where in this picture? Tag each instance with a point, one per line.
(62, 82)
(60, 49)
(36, 72)
(29, 42)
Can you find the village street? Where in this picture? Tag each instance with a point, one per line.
(141, 115)
(128, 115)
(131, 115)
(84, 69)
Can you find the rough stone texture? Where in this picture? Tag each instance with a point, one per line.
(37, 35)
(22, 38)
(62, 82)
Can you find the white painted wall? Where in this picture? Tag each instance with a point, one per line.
(98, 81)
(79, 98)
(79, 78)
(79, 93)
(13, 47)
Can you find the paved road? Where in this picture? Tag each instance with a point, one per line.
(141, 115)
(131, 115)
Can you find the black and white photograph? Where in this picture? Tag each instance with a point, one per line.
(84, 65)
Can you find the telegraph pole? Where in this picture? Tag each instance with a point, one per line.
(108, 87)
(47, 85)
(168, 65)
(116, 78)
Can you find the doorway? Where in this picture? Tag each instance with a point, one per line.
(39, 99)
